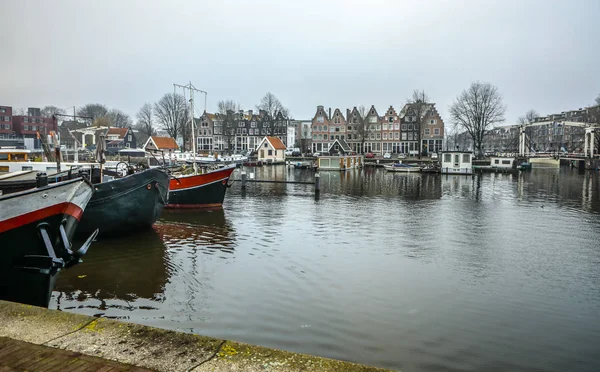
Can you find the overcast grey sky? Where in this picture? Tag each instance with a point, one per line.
(338, 53)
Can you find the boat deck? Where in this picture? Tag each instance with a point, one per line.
(23, 356)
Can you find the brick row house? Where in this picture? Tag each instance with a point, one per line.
(392, 131)
(23, 130)
(237, 132)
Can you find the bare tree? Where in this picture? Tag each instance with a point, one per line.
(362, 126)
(477, 109)
(598, 100)
(526, 120)
(145, 123)
(101, 121)
(119, 119)
(20, 112)
(418, 103)
(49, 111)
(93, 110)
(171, 113)
(529, 117)
(272, 106)
(228, 114)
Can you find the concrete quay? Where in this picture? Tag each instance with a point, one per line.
(53, 340)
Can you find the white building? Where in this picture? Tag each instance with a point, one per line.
(271, 150)
(291, 136)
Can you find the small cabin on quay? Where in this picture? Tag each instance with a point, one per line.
(271, 150)
(457, 162)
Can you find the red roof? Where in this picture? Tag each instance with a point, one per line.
(122, 132)
(276, 143)
(167, 143)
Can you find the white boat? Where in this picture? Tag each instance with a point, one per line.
(404, 168)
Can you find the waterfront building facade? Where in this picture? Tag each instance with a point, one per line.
(387, 132)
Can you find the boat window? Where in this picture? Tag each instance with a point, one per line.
(497, 161)
(466, 158)
(27, 167)
(447, 158)
(3, 156)
(505, 161)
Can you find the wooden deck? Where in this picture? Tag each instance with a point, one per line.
(24, 356)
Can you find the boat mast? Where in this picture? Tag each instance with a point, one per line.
(192, 88)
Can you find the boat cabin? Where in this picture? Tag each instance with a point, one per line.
(341, 163)
(457, 162)
(503, 163)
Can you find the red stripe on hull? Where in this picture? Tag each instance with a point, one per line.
(38, 215)
(186, 182)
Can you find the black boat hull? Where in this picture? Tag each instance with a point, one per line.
(126, 204)
(200, 191)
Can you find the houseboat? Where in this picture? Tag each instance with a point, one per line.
(339, 157)
(457, 162)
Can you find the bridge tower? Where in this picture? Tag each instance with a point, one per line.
(523, 146)
(589, 142)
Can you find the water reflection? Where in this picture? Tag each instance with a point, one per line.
(126, 269)
(207, 231)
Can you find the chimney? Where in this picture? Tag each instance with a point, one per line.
(330, 113)
(347, 113)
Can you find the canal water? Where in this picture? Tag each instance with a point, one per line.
(495, 272)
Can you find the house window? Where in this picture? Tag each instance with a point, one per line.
(432, 122)
(391, 119)
(410, 136)
(331, 138)
(253, 124)
(378, 135)
(427, 132)
(320, 119)
(349, 128)
(25, 120)
(373, 119)
(266, 145)
(241, 124)
(325, 128)
(384, 136)
(270, 152)
(349, 136)
(410, 127)
(385, 127)
(127, 145)
(396, 135)
(130, 138)
(337, 129)
(404, 136)
(436, 131)
(403, 126)
(2, 110)
(275, 152)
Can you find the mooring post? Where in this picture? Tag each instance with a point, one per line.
(41, 179)
(244, 180)
(317, 183)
